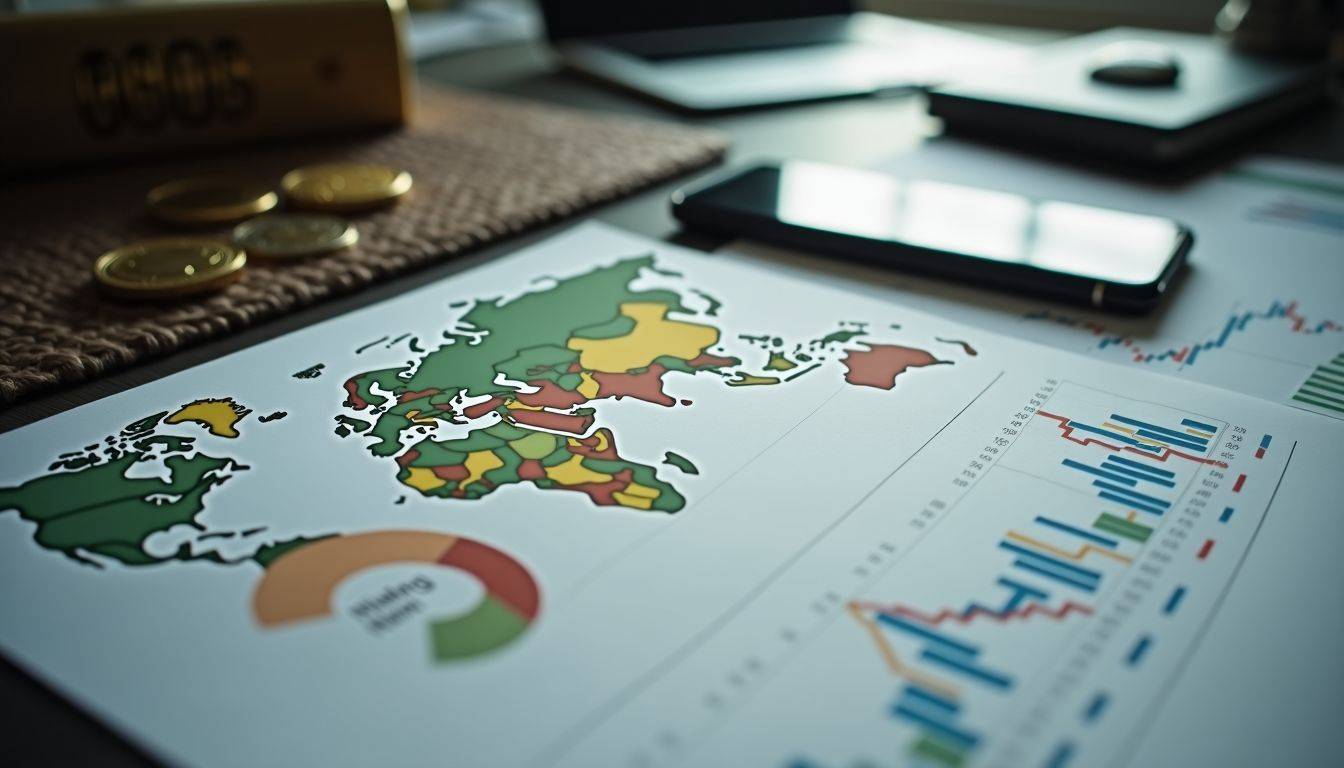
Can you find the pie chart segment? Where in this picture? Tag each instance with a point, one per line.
(300, 585)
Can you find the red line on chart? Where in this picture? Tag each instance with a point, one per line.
(1205, 550)
(1241, 480)
(1086, 441)
(968, 616)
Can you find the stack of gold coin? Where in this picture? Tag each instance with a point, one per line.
(209, 201)
(345, 187)
(293, 235)
(175, 267)
(168, 268)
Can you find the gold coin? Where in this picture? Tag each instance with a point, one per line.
(291, 235)
(345, 187)
(169, 267)
(209, 200)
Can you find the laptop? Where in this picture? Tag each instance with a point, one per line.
(708, 56)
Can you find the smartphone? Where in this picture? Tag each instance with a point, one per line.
(1104, 258)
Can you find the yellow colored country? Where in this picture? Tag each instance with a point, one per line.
(220, 416)
(572, 472)
(634, 502)
(478, 463)
(653, 336)
(422, 479)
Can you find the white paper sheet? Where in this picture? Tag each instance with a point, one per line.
(936, 541)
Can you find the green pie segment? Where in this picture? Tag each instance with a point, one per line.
(490, 625)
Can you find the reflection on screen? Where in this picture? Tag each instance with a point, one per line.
(1091, 242)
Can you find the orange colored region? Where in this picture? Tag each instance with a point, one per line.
(299, 585)
(880, 364)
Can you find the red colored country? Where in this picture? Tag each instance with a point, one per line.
(480, 409)
(646, 386)
(880, 364)
(551, 395)
(352, 392)
(557, 422)
(587, 446)
(407, 397)
(706, 360)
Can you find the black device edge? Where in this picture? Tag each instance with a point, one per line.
(1032, 126)
(1121, 297)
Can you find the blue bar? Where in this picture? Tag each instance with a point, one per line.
(1140, 648)
(1071, 464)
(1140, 465)
(1022, 588)
(1049, 574)
(1159, 431)
(1202, 445)
(1198, 425)
(1227, 331)
(1034, 555)
(974, 672)
(1126, 439)
(1174, 601)
(1141, 497)
(1129, 503)
(961, 738)
(1062, 754)
(1143, 476)
(1096, 707)
(915, 692)
(1080, 533)
(1227, 515)
(927, 634)
(1020, 592)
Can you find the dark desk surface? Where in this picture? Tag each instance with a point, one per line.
(46, 730)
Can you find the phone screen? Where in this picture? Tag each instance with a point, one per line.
(1091, 243)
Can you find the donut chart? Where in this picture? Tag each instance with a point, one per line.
(300, 585)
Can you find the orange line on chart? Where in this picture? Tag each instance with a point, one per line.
(894, 662)
(1079, 555)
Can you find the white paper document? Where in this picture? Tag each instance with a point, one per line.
(1260, 309)
(608, 502)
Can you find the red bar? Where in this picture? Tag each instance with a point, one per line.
(1259, 453)
(1204, 550)
(1241, 480)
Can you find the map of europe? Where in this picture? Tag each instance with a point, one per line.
(507, 397)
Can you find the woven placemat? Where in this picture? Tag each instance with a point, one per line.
(484, 167)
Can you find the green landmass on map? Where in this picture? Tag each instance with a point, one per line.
(94, 502)
(581, 339)
(674, 459)
(521, 374)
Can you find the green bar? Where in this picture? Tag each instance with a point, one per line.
(1300, 398)
(1327, 373)
(1310, 388)
(1275, 180)
(938, 752)
(1320, 383)
(1122, 527)
(1331, 369)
